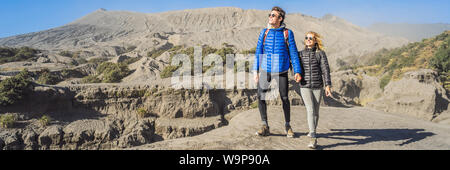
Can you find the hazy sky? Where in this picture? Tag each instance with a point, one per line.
(24, 16)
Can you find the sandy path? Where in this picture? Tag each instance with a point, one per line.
(356, 128)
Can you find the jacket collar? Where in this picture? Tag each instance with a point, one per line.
(282, 26)
(311, 49)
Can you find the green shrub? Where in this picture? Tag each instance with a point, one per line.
(112, 77)
(441, 58)
(150, 92)
(15, 88)
(385, 80)
(7, 120)
(142, 112)
(66, 53)
(224, 51)
(91, 79)
(155, 53)
(46, 77)
(254, 105)
(70, 54)
(45, 120)
(65, 73)
(98, 60)
(208, 50)
(175, 48)
(17, 54)
(113, 72)
(78, 61)
(131, 60)
(168, 71)
(138, 93)
(250, 51)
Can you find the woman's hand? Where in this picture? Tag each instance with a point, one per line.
(328, 91)
(297, 77)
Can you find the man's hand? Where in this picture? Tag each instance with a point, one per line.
(256, 76)
(297, 77)
(328, 91)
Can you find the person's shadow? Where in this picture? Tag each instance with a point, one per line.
(374, 135)
(296, 134)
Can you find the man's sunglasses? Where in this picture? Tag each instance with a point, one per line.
(273, 15)
(310, 38)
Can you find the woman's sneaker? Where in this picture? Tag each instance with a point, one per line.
(311, 135)
(289, 132)
(312, 143)
(264, 131)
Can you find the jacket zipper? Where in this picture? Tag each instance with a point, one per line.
(310, 70)
(273, 48)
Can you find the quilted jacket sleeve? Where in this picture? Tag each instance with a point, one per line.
(294, 53)
(325, 68)
(259, 51)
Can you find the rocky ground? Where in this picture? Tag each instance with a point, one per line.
(104, 116)
(354, 128)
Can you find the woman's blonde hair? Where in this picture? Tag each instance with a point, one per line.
(317, 38)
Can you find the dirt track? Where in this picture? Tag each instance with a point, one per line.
(355, 128)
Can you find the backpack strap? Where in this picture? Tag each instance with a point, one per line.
(286, 36)
(265, 35)
(286, 40)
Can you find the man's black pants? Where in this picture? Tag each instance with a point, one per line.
(263, 88)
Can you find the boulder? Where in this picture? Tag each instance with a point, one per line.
(30, 139)
(353, 88)
(43, 60)
(137, 132)
(10, 140)
(418, 94)
(2, 144)
(51, 138)
(88, 133)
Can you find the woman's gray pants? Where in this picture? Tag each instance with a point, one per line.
(311, 99)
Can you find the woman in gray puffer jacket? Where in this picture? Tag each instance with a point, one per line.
(316, 74)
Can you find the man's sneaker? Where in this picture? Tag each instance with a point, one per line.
(289, 132)
(312, 143)
(264, 131)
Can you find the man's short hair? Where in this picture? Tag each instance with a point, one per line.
(281, 12)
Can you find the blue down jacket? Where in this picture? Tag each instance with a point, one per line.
(275, 44)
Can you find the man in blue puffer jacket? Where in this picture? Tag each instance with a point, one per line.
(275, 50)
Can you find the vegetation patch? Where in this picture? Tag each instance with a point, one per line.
(432, 53)
(17, 54)
(143, 113)
(108, 72)
(206, 50)
(15, 88)
(7, 120)
(45, 120)
(46, 77)
(385, 80)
